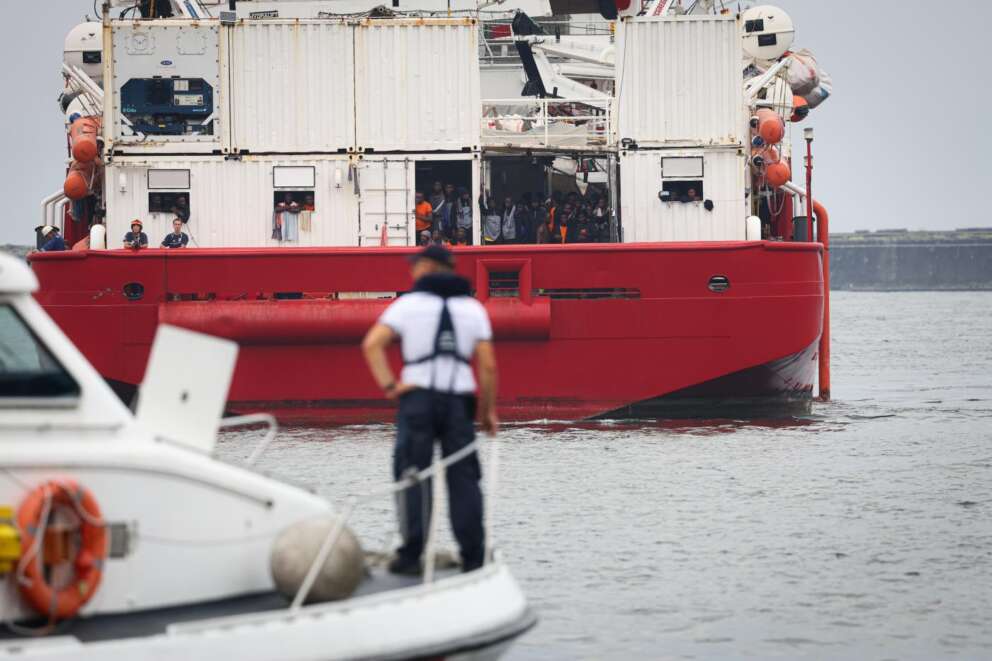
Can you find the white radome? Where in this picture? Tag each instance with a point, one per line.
(768, 32)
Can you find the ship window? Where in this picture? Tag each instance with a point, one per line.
(166, 201)
(682, 191)
(682, 167)
(767, 39)
(755, 25)
(27, 369)
(303, 198)
(169, 179)
(92, 57)
(294, 176)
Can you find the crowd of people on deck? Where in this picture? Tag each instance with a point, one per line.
(444, 217)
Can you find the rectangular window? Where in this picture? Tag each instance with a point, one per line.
(682, 167)
(294, 176)
(173, 202)
(168, 179)
(682, 191)
(27, 369)
(304, 199)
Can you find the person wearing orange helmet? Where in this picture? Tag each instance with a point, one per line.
(136, 239)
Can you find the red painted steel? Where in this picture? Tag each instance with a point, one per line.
(588, 328)
(823, 236)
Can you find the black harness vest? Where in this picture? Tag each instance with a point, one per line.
(444, 286)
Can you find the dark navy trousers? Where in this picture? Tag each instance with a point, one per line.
(424, 417)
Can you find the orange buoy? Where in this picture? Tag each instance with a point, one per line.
(771, 128)
(778, 174)
(800, 109)
(86, 560)
(83, 135)
(79, 182)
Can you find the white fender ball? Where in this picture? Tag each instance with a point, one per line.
(297, 546)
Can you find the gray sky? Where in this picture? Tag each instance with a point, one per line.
(899, 144)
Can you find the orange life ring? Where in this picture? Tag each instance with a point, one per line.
(87, 561)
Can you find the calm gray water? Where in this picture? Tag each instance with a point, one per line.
(864, 532)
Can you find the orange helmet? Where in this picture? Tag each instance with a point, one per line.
(137, 222)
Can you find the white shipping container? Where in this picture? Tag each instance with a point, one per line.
(232, 202)
(417, 85)
(292, 86)
(645, 217)
(157, 69)
(681, 81)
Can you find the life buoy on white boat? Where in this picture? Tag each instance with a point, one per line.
(81, 180)
(86, 560)
(770, 127)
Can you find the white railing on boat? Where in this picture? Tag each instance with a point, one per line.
(413, 478)
(535, 123)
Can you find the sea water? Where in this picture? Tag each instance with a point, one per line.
(861, 532)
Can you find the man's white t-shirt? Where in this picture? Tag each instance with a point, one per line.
(416, 316)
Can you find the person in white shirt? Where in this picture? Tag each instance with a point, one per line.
(441, 328)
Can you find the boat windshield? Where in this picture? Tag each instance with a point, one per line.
(27, 368)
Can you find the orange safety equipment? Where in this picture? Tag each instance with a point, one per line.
(771, 128)
(136, 222)
(778, 174)
(80, 181)
(87, 561)
(800, 109)
(83, 135)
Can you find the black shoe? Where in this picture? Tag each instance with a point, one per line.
(405, 567)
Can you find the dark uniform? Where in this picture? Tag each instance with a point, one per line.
(439, 324)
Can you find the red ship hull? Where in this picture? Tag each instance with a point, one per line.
(632, 330)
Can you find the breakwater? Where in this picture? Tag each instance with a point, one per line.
(901, 260)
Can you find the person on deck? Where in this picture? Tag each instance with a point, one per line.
(136, 239)
(492, 223)
(441, 328)
(181, 209)
(509, 221)
(176, 238)
(53, 239)
(464, 215)
(422, 212)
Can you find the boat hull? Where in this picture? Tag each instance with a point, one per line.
(616, 331)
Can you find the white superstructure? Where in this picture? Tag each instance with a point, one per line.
(349, 112)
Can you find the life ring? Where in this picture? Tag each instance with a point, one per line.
(87, 561)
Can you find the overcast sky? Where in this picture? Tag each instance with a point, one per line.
(899, 144)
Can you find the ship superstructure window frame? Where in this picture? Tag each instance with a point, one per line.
(294, 177)
(47, 384)
(167, 179)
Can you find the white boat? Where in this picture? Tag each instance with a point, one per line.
(159, 549)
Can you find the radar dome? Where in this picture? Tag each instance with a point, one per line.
(84, 49)
(768, 32)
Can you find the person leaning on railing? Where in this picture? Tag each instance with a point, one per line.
(441, 328)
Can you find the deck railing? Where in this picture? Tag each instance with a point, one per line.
(546, 123)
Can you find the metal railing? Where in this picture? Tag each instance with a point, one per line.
(439, 467)
(546, 123)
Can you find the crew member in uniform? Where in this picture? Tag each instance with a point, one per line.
(441, 328)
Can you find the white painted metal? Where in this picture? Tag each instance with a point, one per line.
(172, 407)
(231, 202)
(292, 86)
(647, 218)
(417, 85)
(386, 190)
(680, 81)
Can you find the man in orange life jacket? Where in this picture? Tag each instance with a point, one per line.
(441, 327)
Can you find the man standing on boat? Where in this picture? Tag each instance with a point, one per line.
(441, 328)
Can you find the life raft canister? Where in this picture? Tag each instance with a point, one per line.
(87, 560)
